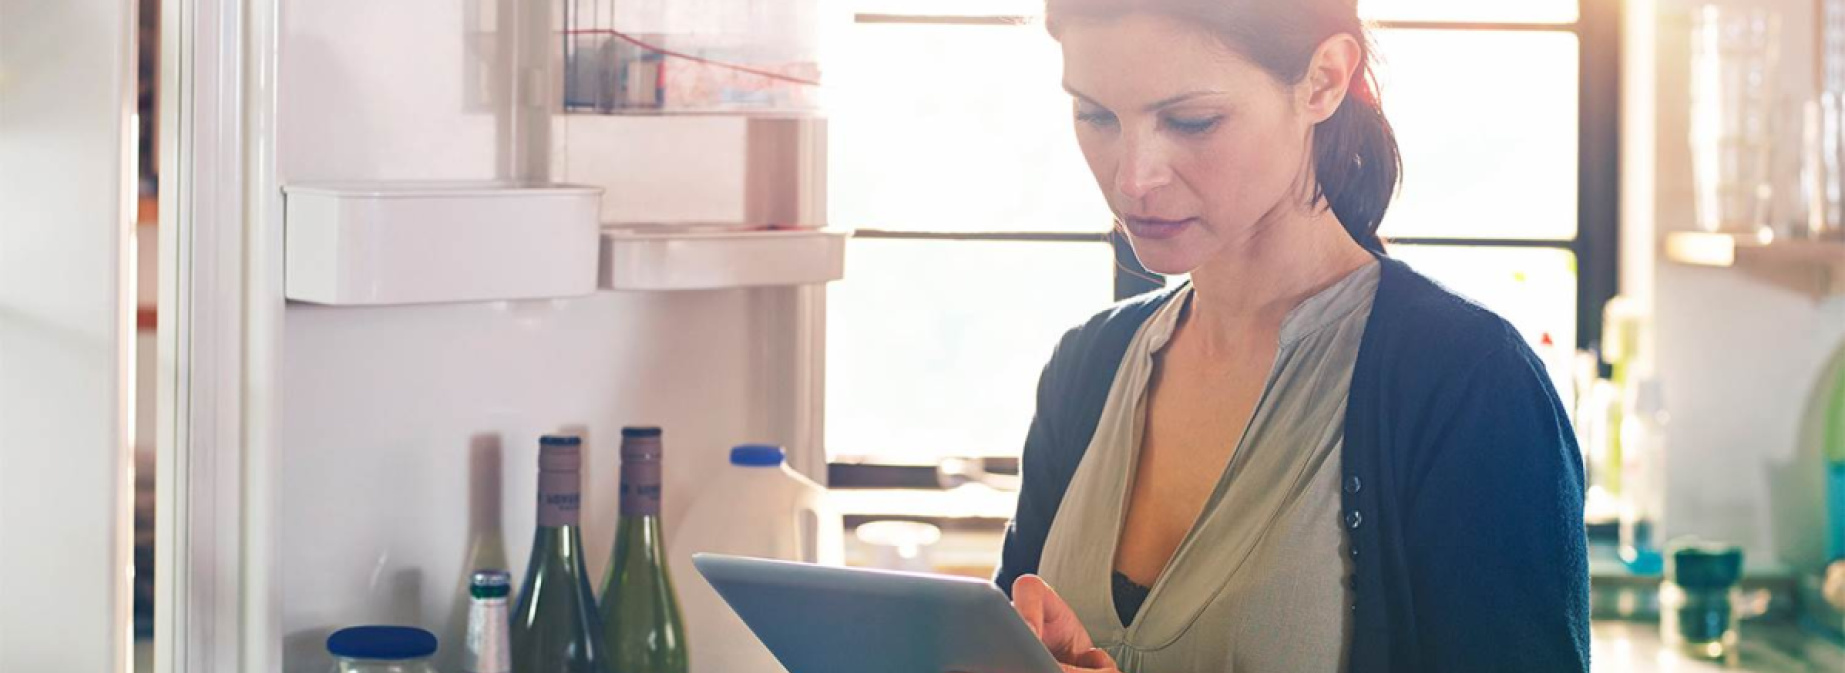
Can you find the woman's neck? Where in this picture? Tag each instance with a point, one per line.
(1254, 283)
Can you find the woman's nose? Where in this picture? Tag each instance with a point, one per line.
(1143, 168)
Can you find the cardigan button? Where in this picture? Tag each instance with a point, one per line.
(1354, 519)
(1352, 484)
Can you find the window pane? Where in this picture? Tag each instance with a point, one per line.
(1489, 144)
(934, 347)
(955, 128)
(1533, 288)
(1502, 11)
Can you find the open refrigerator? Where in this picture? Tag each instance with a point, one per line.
(443, 261)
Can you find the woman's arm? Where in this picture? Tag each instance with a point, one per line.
(1498, 557)
(1040, 489)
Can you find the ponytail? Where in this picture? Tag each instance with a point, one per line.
(1357, 163)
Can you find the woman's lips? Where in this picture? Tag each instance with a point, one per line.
(1155, 228)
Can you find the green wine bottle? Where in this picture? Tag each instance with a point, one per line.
(640, 613)
(556, 628)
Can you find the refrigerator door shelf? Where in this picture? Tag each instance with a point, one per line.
(690, 257)
(385, 243)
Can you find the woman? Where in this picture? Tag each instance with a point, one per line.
(1308, 458)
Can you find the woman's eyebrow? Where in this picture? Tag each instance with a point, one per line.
(1156, 106)
(1072, 91)
(1175, 100)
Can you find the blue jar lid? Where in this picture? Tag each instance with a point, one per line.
(757, 455)
(382, 643)
(560, 440)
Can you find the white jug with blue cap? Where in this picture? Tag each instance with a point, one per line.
(755, 506)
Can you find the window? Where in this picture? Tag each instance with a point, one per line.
(984, 237)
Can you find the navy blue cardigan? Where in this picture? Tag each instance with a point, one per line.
(1463, 485)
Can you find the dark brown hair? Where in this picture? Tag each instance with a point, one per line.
(1356, 163)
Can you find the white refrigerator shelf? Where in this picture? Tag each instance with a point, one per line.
(682, 257)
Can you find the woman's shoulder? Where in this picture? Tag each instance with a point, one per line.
(1110, 329)
(1088, 354)
(1422, 325)
(1462, 387)
(1127, 315)
(1427, 347)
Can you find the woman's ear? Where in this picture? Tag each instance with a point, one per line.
(1329, 76)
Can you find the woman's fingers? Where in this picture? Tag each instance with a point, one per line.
(1057, 627)
(1096, 658)
(1092, 661)
(1028, 598)
(1048, 616)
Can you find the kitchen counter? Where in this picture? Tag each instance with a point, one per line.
(1635, 647)
(1773, 645)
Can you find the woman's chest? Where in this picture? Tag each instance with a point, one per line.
(1282, 604)
(1194, 421)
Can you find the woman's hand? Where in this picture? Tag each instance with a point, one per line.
(1057, 626)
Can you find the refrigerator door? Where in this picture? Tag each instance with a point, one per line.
(66, 330)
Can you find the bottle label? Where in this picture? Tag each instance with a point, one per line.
(640, 487)
(559, 496)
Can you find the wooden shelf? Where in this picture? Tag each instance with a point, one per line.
(1811, 267)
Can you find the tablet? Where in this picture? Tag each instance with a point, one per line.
(822, 619)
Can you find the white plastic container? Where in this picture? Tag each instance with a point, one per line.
(757, 506)
(381, 243)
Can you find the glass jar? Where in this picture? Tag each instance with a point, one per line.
(1734, 62)
(381, 649)
(1700, 603)
(345, 665)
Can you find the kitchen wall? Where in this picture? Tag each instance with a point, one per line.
(410, 433)
(1741, 361)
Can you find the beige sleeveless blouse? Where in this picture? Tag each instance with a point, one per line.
(1260, 583)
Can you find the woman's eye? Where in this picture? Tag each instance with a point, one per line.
(1193, 127)
(1098, 118)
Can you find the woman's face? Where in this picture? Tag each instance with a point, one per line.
(1193, 145)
